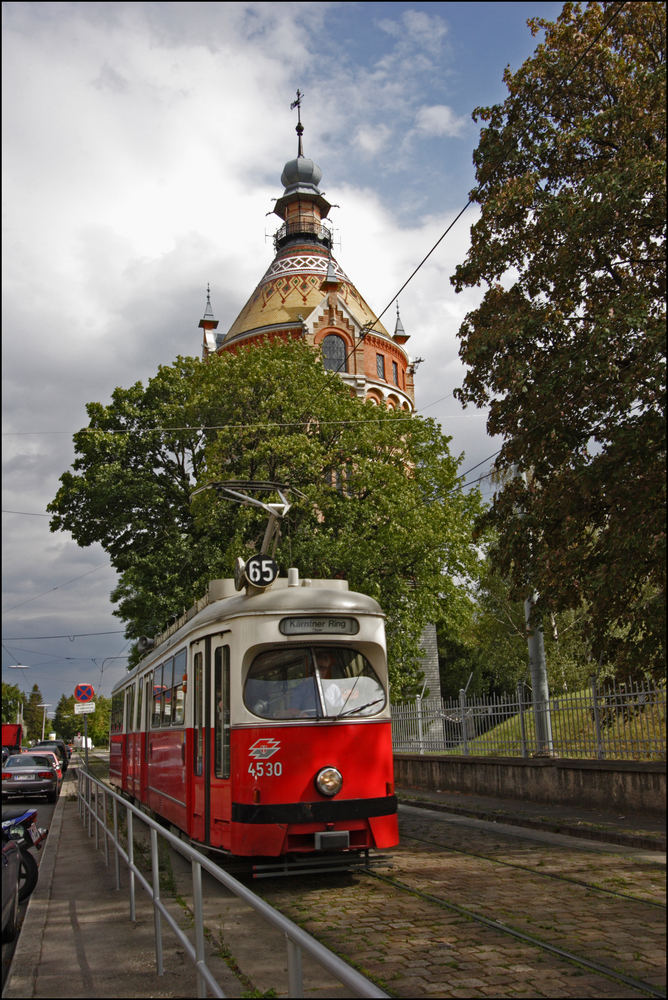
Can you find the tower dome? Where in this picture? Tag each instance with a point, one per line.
(306, 294)
(301, 172)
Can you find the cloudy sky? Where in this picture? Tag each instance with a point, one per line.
(143, 145)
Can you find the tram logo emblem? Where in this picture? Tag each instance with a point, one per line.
(263, 749)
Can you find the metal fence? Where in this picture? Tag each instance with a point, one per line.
(99, 807)
(623, 721)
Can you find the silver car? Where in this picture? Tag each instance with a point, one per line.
(30, 774)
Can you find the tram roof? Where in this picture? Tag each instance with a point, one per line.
(223, 602)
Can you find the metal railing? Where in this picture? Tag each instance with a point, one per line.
(621, 721)
(96, 800)
(303, 225)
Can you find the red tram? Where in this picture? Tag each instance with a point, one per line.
(259, 724)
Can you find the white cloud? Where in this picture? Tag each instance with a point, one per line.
(437, 120)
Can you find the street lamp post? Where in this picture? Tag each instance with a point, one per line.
(44, 706)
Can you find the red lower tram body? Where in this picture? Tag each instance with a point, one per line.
(269, 806)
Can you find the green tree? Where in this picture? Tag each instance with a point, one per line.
(12, 701)
(98, 721)
(65, 722)
(567, 348)
(491, 649)
(34, 715)
(375, 501)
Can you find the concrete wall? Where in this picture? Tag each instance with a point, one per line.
(624, 785)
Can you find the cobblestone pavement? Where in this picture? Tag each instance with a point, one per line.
(414, 947)
(408, 943)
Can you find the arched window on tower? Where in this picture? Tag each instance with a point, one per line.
(334, 353)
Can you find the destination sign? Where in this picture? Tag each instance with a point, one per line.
(319, 625)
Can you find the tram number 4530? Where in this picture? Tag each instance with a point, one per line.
(267, 769)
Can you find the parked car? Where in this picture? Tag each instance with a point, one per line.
(11, 868)
(53, 756)
(58, 746)
(30, 774)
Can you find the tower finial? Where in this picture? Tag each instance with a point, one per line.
(400, 334)
(299, 128)
(208, 324)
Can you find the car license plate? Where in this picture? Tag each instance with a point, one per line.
(24, 777)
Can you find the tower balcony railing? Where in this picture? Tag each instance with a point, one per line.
(310, 228)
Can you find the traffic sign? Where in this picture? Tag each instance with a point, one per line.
(84, 692)
(84, 707)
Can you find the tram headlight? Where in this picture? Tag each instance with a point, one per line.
(329, 781)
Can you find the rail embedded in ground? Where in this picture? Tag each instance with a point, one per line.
(94, 798)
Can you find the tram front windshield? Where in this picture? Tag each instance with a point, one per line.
(317, 682)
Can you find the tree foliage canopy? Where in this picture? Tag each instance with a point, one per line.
(567, 348)
(376, 501)
(13, 700)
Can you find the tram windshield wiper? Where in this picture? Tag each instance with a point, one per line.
(359, 708)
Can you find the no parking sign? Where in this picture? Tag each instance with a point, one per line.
(84, 692)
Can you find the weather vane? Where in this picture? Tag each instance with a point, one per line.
(299, 127)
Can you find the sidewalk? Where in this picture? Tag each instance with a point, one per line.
(77, 939)
(606, 825)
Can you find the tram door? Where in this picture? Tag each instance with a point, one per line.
(198, 800)
(220, 784)
(210, 799)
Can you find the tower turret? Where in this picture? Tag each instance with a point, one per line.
(306, 293)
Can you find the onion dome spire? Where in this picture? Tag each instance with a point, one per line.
(300, 179)
(208, 324)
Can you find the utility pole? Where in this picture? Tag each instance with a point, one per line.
(537, 669)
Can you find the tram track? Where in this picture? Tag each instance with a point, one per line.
(530, 939)
(588, 921)
(533, 871)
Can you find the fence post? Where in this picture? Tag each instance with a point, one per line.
(597, 719)
(520, 705)
(198, 914)
(157, 919)
(117, 862)
(89, 799)
(105, 812)
(129, 825)
(295, 980)
(462, 710)
(418, 705)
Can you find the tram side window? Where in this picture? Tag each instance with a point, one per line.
(129, 708)
(117, 713)
(178, 696)
(167, 681)
(140, 684)
(222, 718)
(157, 697)
(198, 721)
